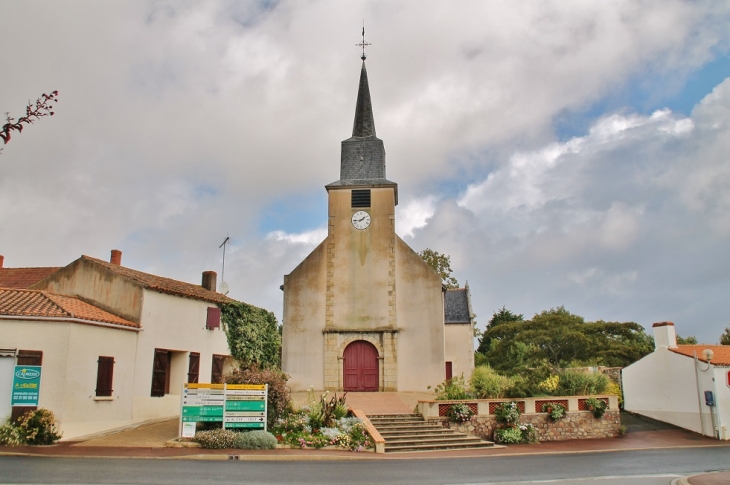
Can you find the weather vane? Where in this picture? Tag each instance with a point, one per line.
(363, 44)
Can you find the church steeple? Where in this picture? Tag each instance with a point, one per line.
(364, 125)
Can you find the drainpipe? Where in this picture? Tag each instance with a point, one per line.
(699, 398)
(718, 414)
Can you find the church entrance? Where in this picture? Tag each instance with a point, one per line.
(360, 361)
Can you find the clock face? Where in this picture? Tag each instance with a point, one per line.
(361, 220)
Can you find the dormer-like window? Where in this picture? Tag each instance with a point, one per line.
(361, 198)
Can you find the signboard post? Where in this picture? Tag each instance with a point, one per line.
(26, 385)
(233, 405)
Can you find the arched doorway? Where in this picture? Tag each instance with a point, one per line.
(360, 361)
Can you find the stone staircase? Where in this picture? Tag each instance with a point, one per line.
(410, 432)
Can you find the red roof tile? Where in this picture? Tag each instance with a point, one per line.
(24, 277)
(721, 357)
(163, 285)
(37, 303)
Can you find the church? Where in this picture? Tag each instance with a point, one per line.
(363, 311)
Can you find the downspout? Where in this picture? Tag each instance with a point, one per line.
(699, 399)
(718, 414)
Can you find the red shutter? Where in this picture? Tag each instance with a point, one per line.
(104, 376)
(194, 367)
(216, 374)
(160, 371)
(214, 318)
(449, 372)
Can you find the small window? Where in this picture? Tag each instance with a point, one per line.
(216, 373)
(104, 376)
(214, 318)
(449, 371)
(194, 367)
(361, 198)
(161, 373)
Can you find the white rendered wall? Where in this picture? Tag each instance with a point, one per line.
(177, 324)
(460, 348)
(663, 386)
(69, 371)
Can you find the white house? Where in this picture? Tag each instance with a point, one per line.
(684, 385)
(115, 345)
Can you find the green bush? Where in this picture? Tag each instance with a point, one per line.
(555, 410)
(528, 433)
(508, 435)
(39, 427)
(486, 383)
(574, 383)
(452, 389)
(598, 406)
(216, 439)
(279, 396)
(459, 413)
(255, 440)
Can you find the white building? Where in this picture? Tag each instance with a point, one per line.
(675, 384)
(115, 345)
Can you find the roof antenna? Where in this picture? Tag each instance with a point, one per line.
(363, 44)
(223, 287)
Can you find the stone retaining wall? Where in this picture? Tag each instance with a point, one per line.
(574, 426)
(578, 423)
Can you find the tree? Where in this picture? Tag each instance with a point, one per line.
(499, 317)
(725, 337)
(33, 112)
(253, 335)
(441, 264)
(556, 339)
(691, 340)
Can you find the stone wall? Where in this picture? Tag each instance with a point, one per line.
(575, 425)
(578, 422)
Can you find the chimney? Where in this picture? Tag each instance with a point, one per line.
(2, 259)
(210, 280)
(664, 335)
(116, 257)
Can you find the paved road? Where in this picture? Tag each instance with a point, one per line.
(656, 466)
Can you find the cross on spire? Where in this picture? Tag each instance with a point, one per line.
(363, 44)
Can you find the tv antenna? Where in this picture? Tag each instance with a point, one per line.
(223, 287)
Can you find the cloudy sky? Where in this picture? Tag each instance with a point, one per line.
(562, 152)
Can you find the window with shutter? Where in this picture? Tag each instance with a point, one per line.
(361, 198)
(216, 374)
(194, 367)
(104, 376)
(26, 357)
(161, 373)
(214, 318)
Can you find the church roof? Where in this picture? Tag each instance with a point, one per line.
(457, 306)
(364, 124)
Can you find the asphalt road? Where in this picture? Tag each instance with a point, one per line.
(645, 467)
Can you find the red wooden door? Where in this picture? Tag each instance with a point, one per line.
(360, 367)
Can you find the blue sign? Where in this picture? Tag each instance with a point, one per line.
(26, 385)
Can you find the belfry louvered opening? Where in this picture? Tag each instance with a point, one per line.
(361, 198)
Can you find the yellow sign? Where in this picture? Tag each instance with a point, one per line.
(254, 387)
(189, 385)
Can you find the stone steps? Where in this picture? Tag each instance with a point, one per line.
(410, 432)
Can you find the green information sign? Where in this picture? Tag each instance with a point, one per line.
(245, 405)
(26, 385)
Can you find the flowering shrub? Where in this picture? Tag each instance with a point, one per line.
(279, 396)
(11, 435)
(255, 440)
(459, 413)
(295, 430)
(216, 438)
(555, 410)
(528, 433)
(507, 413)
(35, 428)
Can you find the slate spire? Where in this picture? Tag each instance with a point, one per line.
(364, 124)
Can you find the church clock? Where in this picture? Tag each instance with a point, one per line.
(361, 220)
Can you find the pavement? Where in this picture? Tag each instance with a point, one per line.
(148, 441)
